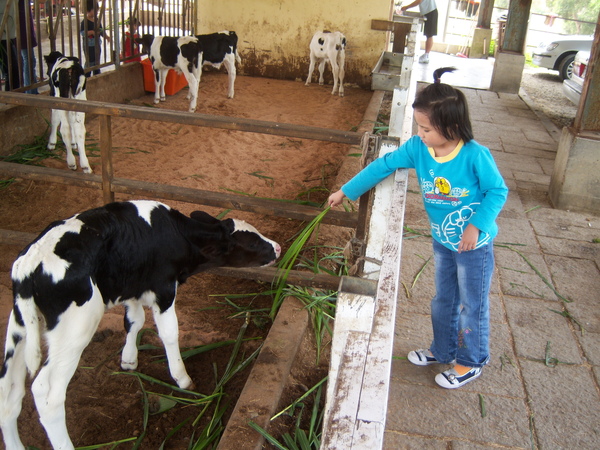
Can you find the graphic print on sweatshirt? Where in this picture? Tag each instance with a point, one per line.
(439, 197)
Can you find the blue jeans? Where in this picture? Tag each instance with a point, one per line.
(29, 61)
(460, 310)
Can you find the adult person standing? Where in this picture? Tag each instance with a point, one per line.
(428, 10)
(8, 39)
(27, 36)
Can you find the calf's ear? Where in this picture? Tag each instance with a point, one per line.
(203, 217)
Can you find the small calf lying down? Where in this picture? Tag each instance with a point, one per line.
(67, 80)
(326, 46)
(221, 48)
(133, 253)
(184, 54)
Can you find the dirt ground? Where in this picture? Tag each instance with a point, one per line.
(102, 405)
(545, 89)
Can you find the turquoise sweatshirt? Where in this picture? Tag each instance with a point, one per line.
(461, 188)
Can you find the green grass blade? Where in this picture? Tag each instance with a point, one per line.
(270, 439)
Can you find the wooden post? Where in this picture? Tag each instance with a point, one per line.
(106, 155)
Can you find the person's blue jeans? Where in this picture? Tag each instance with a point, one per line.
(29, 60)
(460, 312)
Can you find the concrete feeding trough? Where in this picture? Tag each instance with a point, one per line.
(386, 74)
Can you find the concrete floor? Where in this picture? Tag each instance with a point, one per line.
(541, 388)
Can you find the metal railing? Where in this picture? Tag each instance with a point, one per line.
(60, 25)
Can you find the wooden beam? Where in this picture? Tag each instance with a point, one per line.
(382, 25)
(263, 206)
(185, 118)
(350, 285)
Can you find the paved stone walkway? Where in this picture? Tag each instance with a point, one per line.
(541, 388)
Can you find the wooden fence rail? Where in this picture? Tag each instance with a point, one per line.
(111, 185)
(167, 192)
(184, 118)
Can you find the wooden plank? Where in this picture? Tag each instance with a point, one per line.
(341, 426)
(166, 192)
(379, 359)
(107, 162)
(60, 176)
(233, 201)
(185, 118)
(353, 313)
(401, 33)
(382, 25)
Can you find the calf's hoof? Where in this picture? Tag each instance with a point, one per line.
(72, 166)
(87, 169)
(186, 383)
(51, 146)
(129, 365)
(163, 99)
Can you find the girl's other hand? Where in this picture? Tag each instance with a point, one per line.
(469, 239)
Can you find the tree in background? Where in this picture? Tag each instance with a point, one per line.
(583, 10)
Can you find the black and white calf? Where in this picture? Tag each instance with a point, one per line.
(184, 54)
(135, 253)
(221, 49)
(67, 80)
(326, 46)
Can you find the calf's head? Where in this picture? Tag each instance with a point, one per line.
(246, 247)
(146, 41)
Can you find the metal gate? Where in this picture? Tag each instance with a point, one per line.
(37, 27)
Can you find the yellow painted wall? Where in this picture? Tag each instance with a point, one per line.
(274, 34)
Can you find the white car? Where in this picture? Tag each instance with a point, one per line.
(572, 87)
(559, 54)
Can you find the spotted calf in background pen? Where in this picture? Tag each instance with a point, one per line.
(184, 54)
(67, 80)
(133, 253)
(221, 49)
(326, 46)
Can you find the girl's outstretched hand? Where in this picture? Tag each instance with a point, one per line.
(336, 199)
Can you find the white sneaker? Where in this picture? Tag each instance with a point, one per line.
(424, 59)
(450, 379)
(422, 357)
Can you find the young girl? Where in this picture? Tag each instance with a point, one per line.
(463, 192)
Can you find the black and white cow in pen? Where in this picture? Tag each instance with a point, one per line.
(221, 49)
(184, 54)
(67, 80)
(326, 46)
(133, 253)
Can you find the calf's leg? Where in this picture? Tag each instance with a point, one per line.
(54, 123)
(341, 63)
(229, 63)
(67, 135)
(66, 341)
(134, 321)
(77, 120)
(311, 68)
(322, 72)
(12, 384)
(168, 330)
(193, 79)
(335, 70)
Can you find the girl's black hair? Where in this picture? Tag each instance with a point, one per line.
(446, 108)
